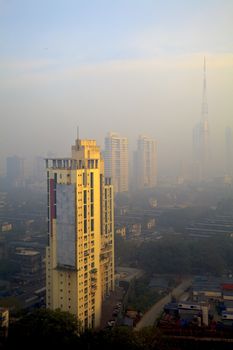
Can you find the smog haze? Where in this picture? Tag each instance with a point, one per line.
(134, 67)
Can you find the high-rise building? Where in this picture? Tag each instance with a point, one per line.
(229, 151)
(15, 171)
(145, 163)
(116, 158)
(201, 147)
(80, 255)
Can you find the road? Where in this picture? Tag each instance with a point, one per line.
(155, 311)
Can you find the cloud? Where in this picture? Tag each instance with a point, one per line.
(38, 72)
(26, 65)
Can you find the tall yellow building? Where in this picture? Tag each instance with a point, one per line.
(80, 255)
(145, 163)
(116, 159)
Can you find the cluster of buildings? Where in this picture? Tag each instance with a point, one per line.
(210, 226)
(19, 174)
(208, 304)
(137, 227)
(26, 270)
(80, 254)
(80, 195)
(117, 165)
(184, 314)
(116, 157)
(208, 289)
(22, 248)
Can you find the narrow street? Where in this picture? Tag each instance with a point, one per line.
(155, 311)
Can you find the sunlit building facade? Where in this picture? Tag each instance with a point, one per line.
(116, 158)
(80, 254)
(145, 163)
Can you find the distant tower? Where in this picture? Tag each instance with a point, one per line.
(205, 130)
(116, 158)
(201, 151)
(145, 163)
(15, 171)
(229, 151)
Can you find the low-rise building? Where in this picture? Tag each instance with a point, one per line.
(121, 232)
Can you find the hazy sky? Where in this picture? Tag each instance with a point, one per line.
(128, 66)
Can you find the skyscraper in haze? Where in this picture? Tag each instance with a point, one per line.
(229, 151)
(15, 171)
(116, 158)
(38, 169)
(80, 255)
(201, 147)
(145, 163)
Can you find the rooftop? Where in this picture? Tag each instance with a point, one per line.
(27, 252)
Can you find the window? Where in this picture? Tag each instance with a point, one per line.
(92, 179)
(85, 197)
(92, 209)
(85, 226)
(92, 224)
(85, 211)
(92, 195)
(84, 179)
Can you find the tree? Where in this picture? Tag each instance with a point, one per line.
(43, 327)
